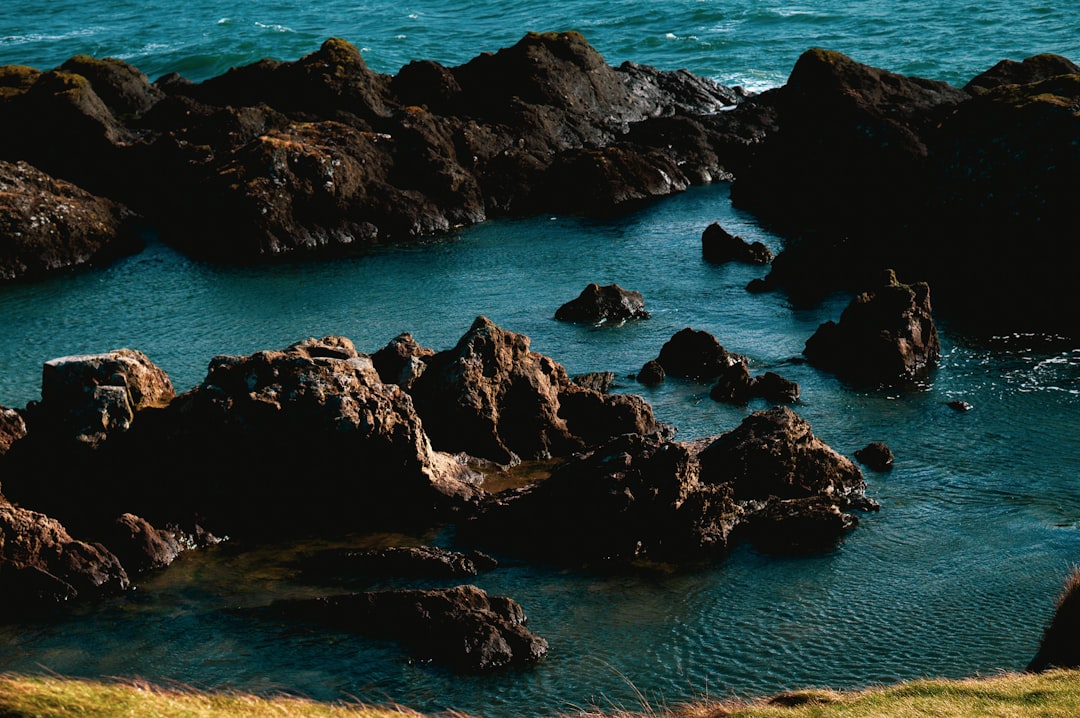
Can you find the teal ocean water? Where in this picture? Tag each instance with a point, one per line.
(955, 576)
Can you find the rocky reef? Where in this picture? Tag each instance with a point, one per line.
(859, 168)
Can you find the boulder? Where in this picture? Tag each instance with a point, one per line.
(404, 561)
(718, 247)
(12, 428)
(123, 88)
(885, 336)
(695, 355)
(638, 498)
(610, 303)
(1060, 645)
(599, 381)
(401, 361)
(461, 627)
(736, 386)
(42, 565)
(652, 373)
(1031, 70)
(48, 226)
(88, 398)
(876, 455)
(138, 545)
(491, 397)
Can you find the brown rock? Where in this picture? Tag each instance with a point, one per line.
(610, 303)
(695, 355)
(12, 428)
(877, 455)
(402, 361)
(139, 546)
(49, 226)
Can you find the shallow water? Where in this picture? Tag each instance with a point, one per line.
(955, 575)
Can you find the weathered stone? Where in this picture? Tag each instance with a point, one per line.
(638, 498)
(1031, 70)
(122, 88)
(90, 397)
(885, 336)
(41, 564)
(877, 455)
(491, 397)
(610, 303)
(600, 381)
(736, 386)
(718, 246)
(462, 627)
(776, 389)
(401, 361)
(49, 226)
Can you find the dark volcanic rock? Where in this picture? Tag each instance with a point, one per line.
(736, 386)
(411, 561)
(695, 355)
(610, 303)
(652, 373)
(642, 498)
(718, 246)
(885, 336)
(41, 564)
(462, 627)
(122, 88)
(876, 455)
(49, 225)
(491, 397)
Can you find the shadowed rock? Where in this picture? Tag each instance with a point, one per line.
(877, 455)
(695, 355)
(718, 247)
(462, 627)
(638, 498)
(405, 561)
(736, 386)
(1060, 645)
(12, 428)
(401, 361)
(610, 303)
(48, 226)
(886, 336)
(42, 565)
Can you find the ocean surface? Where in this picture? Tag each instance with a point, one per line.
(955, 576)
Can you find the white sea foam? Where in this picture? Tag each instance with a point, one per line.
(274, 28)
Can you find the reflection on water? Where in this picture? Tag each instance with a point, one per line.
(954, 576)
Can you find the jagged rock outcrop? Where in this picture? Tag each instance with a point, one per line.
(398, 561)
(638, 498)
(610, 303)
(42, 565)
(49, 226)
(884, 336)
(866, 170)
(491, 397)
(401, 361)
(462, 627)
(139, 546)
(719, 246)
(306, 438)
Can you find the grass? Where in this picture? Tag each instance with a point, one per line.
(1055, 694)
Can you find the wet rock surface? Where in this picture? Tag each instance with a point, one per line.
(404, 561)
(461, 627)
(885, 336)
(610, 303)
(640, 498)
(876, 455)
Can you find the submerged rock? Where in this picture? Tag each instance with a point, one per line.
(610, 303)
(877, 455)
(462, 627)
(885, 336)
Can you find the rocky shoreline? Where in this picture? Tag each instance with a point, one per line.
(112, 473)
(861, 169)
